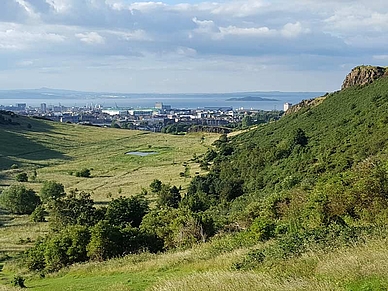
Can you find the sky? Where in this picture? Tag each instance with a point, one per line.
(195, 46)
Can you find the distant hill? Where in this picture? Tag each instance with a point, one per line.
(251, 98)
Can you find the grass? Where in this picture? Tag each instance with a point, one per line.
(56, 151)
(208, 267)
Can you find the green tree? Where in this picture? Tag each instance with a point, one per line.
(38, 215)
(22, 177)
(169, 196)
(124, 211)
(300, 138)
(156, 186)
(104, 242)
(19, 200)
(52, 190)
(247, 121)
(75, 208)
(66, 247)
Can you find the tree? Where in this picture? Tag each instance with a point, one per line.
(156, 186)
(76, 208)
(22, 177)
(247, 121)
(52, 190)
(300, 137)
(123, 211)
(169, 196)
(104, 241)
(38, 215)
(19, 200)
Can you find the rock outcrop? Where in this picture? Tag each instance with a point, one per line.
(363, 75)
(305, 104)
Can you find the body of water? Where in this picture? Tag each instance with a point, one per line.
(191, 101)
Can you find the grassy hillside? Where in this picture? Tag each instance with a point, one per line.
(56, 151)
(297, 204)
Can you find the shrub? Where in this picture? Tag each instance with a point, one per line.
(85, 173)
(52, 190)
(19, 200)
(22, 177)
(127, 211)
(76, 208)
(38, 215)
(18, 281)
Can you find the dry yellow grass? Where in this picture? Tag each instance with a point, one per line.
(232, 281)
(65, 148)
(362, 261)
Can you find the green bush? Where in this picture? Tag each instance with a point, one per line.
(51, 190)
(22, 177)
(18, 281)
(38, 215)
(19, 200)
(85, 173)
(124, 211)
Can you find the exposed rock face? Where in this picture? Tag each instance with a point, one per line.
(305, 104)
(363, 75)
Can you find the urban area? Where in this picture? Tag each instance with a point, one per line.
(160, 118)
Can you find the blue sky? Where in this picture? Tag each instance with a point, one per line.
(189, 46)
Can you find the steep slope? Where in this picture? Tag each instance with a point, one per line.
(347, 127)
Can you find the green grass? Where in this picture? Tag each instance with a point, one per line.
(208, 267)
(56, 150)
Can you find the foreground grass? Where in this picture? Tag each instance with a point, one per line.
(208, 267)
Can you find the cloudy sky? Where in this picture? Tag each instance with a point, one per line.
(193, 46)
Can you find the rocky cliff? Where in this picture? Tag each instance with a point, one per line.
(359, 76)
(363, 75)
(305, 104)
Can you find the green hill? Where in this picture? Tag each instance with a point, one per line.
(296, 204)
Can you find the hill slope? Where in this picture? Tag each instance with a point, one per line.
(297, 204)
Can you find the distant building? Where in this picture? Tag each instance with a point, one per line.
(161, 106)
(43, 107)
(287, 106)
(141, 112)
(113, 112)
(21, 106)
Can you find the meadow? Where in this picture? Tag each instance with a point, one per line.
(56, 151)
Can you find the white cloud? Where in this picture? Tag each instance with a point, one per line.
(292, 30)
(90, 38)
(302, 35)
(20, 37)
(60, 6)
(186, 51)
(250, 31)
(135, 35)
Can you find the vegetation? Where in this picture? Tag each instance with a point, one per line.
(19, 200)
(296, 204)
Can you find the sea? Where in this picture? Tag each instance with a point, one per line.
(273, 100)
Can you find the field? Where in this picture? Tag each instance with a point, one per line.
(57, 151)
